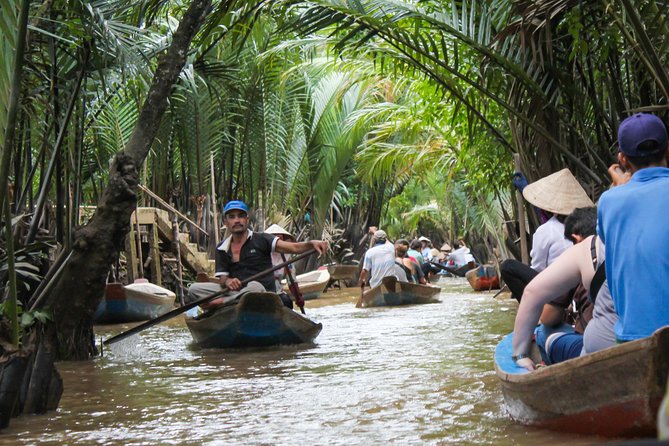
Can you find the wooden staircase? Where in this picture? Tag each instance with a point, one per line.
(155, 226)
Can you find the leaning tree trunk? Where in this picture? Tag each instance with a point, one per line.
(78, 290)
(97, 245)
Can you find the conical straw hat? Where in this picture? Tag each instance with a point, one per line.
(559, 193)
(278, 230)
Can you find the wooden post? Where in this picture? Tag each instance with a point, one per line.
(177, 254)
(213, 201)
(522, 227)
(131, 249)
(138, 235)
(154, 250)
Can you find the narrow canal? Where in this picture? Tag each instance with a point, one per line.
(413, 375)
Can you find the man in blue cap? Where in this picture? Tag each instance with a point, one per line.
(245, 253)
(632, 223)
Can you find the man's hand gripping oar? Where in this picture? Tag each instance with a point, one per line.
(204, 300)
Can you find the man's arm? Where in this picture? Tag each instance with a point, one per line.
(363, 278)
(299, 247)
(560, 277)
(222, 268)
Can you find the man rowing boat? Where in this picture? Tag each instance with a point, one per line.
(245, 253)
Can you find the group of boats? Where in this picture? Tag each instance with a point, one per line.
(254, 319)
(613, 392)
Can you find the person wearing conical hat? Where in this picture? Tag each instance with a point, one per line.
(557, 195)
(425, 247)
(277, 259)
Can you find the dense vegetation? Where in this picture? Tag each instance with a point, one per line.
(404, 114)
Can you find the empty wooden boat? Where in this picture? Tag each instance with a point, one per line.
(134, 302)
(347, 273)
(312, 284)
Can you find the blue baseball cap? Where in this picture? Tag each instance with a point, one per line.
(235, 205)
(641, 128)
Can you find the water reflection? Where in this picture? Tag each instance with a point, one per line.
(412, 375)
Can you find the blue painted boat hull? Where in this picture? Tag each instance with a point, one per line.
(613, 392)
(258, 319)
(133, 303)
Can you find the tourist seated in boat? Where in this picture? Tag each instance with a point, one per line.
(442, 258)
(556, 340)
(379, 261)
(243, 254)
(425, 248)
(277, 259)
(410, 267)
(573, 307)
(555, 315)
(557, 195)
(632, 223)
(414, 251)
(461, 256)
(576, 265)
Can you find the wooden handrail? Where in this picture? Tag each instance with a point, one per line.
(170, 208)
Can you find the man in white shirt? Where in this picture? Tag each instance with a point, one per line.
(557, 194)
(379, 261)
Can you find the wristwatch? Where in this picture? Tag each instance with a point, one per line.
(520, 356)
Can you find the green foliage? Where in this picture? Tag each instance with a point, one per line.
(27, 261)
(26, 318)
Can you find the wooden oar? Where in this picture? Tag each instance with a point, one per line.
(362, 292)
(500, 291)
(204, 300)
(293, 287)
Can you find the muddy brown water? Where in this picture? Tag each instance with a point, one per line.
(412, 375)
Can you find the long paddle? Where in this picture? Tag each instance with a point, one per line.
(362, 293)
(204, 300)
(293, 287)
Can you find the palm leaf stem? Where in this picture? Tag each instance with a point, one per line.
(13, 106)
(41, 200)
(241, 19)
(648, 55)
(11, 301)
(19, 203)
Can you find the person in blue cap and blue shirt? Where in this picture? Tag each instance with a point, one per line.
(632, 223)
(245, 253)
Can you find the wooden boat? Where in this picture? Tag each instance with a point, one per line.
(392, 292)
(458, 271)
(256, 319)
(312, 284)
(483, 278)
(613, 392)
(347, 273)
(134, 302)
